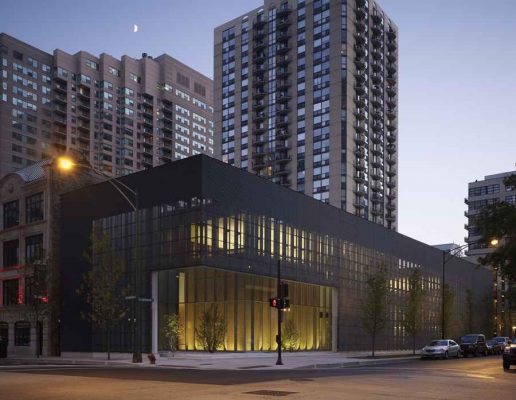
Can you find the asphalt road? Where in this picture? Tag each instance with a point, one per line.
(473, 378)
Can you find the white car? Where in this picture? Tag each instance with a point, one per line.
(444, 348)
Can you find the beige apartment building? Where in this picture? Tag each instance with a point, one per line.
(306, 95)
(122, 115)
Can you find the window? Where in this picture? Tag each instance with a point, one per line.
(11, 291)
(113, 71)
(135, 78)
(34, 207)
(22, 333)
(483, 190)
(11, 214)
(17, 55)
(92, 64)
(11, 253)
(33, 248)
(182, 79)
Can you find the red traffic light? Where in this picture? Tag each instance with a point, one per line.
(274, 302)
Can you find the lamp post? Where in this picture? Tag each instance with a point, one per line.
(67, 164)
(453, 253)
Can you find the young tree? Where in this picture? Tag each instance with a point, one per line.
(413, 314)
(290, 336)
(498, 221)
(37, 286)
(103, 286)
(375, 304)
(212, 329)
(449, 299)
(468, 316)
(172, 330)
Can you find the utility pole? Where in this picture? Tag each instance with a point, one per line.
(278, 338)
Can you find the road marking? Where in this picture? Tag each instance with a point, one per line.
(479, 376)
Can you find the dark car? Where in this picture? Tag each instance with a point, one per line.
(509, 355)
(502, 340)
(494, 347)
(474, 344)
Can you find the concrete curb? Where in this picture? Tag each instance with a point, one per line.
(359, 363)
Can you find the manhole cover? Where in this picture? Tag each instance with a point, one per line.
(277, 393)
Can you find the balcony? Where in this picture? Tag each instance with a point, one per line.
(376, 150)
(259, 45)
(360, 88)
(283, 36)
(391, 46)
(391, 183)
(391, 160)
(359, 151)
(282, 109)
(377, 19)
(260, 117)
(282, 157)
(259, 58)
(390, 206)
(377, 174)
(377, 54)
(281, 171)
(390, 217)
(283, 84)
(359, 165)
(282, 134)
(391, 69)
(391, 172)
(360, 38)
(360, 138)
(282, 73)
(376, 186)
(259, 93)
(282, 23)
(377, 114)
(377, 101)
(360, 12)
(84, 117)
(61, 110)
(377, 79)
(391, 126)
(391, 113)
(377, 162)
(148, 122)
(360, 101)
(360, 76)
(360, 63)
(259, 128)
(360, 114)
(259, 34)
(359, 177)
(377, 42)
(377, 29)
(391, 137)
(391, 34)
(391, 148)
(360, 51)
(282, 123)
(391, 194)
(84, 106)
(282, 61)
(377, 67)
(260, 140)
(377, 138)
(282, 48)
(60, 98)
(377, 198)
(283, 11)
(260, 22)
(359, 203)
(283, 97)
(360, 25)
(391, 101)
(391, 57)
(360, 127)
(391, 79)
(359, 190)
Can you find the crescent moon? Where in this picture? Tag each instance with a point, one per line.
(135, 28)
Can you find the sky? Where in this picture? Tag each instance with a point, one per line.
(457, 81)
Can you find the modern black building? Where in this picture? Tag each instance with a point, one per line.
(210, 233)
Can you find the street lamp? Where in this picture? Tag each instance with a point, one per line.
(66, 165)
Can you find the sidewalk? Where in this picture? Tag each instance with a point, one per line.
(233, 361)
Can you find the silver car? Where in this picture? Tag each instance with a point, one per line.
(441, 349)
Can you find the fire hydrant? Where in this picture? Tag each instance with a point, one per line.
(152, 358)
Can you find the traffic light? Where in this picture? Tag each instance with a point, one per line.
(280, 303)
(274, 302)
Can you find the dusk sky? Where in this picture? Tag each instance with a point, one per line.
(457, 81)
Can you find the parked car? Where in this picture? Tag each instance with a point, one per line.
(502, 340)
(441, 349)
(509, 355)
(474, 344)
(494, 347)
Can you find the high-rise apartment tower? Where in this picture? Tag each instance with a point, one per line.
(122, 115)
(306, 95)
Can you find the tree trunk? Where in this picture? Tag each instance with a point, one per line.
(414, 338)
(109, 341)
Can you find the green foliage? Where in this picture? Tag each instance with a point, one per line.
(212, 329)
(173, 329)
(102, 287)
(468, 316)
(413, 313)
(375, 305)
(290, 336)
(449, 300)
(499, 221)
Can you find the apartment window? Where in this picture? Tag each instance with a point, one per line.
(200, 89)
(17, 55)
(34, 207)
(11, 292)
(135, 78)
(92, 64)
(183, 80)
(511, 199)
(113, 71)
(22, 333)
(34, 63)
(11, 213)
(11, 253)
(483, 190)
(33, 247)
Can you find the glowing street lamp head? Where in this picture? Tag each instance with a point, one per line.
(494, 242)
(65, 163)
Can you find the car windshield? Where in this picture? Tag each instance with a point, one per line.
(500, 339)
(468, 339)
(439, 343)
(491, 342)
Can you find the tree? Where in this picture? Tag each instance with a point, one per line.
(290, 336)
(172, 330)
(103, 286)
(449, 299)
(212, 329)
(413, 315)
(37, 285)
(499, 221)
(468, 316)
(375, 304)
